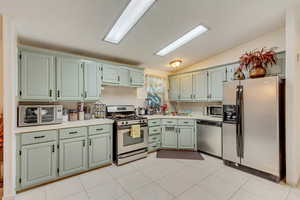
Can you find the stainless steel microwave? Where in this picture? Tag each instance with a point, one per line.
(215, 111)
(32, 115)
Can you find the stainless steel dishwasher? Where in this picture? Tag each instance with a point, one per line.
(209, 137)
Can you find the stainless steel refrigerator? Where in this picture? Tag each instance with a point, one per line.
(253, 126)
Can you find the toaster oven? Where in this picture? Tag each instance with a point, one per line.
(33, 115)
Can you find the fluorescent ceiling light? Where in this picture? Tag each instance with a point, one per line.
(130, 16)
(183, 40)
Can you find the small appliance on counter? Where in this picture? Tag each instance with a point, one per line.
(33, 115)
(214, 111)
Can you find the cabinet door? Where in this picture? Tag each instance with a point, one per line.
(169, 137)
(137, 78)
(92, 81)
(230, 70)
(69, 79)
(36, 76)
(123, 77)
(279, 68)
(186, 87)
(73, 156)
(110, 74)
(174, 88)
(99, 150)
(186, 137)
(216, 77)
(200, 86)
(38, 163)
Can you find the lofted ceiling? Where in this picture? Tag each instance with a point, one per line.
(79, 26)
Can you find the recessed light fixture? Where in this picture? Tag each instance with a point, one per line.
(130, 16)
(183, 40)
(175, 63)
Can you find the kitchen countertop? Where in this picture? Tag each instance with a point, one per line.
(69, 124)
(203, 117)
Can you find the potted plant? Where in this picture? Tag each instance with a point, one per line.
(257, 61)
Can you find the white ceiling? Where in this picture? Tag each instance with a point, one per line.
(79, 26)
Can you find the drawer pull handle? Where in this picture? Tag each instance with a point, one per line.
(39, 137)
(169, 122)
(153, 122)
(154, 138)
(99, 129)
(186, 122)
(73, 132)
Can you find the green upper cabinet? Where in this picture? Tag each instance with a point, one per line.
(110, 74)
(279, 68)
(200, 85)
(186, 87)
(174, 88)
(123, 76)
(230, 70)
(39, 163)
(36, 80)
(186, 137)
(137, 77)
(216, 77)
(69, 79)
(92, 80)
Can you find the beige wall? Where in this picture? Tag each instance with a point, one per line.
(1, 66)
(10, 74)
(293, 94)
(273, 39)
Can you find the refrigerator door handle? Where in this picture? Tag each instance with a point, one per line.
(241, 140)
(238, 120)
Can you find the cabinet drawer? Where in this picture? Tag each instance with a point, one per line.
(154, 130)
(153, 146)
(169, 121)
(186, 122)
(72, 132)
(99, 129)
(154, 122)
(154, 138)
(38, 137)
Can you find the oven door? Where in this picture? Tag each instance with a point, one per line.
(126, 143)
(28, 115)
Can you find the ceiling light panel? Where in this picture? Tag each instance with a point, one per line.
(130, 16)
(183, 40)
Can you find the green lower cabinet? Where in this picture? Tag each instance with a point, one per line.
(38, 163)
(99, 150)
(186, 137)
(169, 137)
(72, 156)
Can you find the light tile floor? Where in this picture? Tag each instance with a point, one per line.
(164, 179)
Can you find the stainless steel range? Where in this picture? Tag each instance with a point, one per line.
(128, 147)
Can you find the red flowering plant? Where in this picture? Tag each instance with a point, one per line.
(258, 58)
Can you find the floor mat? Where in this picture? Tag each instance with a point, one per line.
(189, 155)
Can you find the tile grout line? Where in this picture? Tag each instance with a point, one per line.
(239, 188)
(84, 189)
